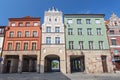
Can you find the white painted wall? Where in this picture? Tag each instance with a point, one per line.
(1, 43)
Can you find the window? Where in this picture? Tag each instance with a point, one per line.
(35, 34)
(78, 21)
(119, 31)
(57, 40)
(27, 33)
(20, 24)
(11, 34)
(25, 46)
(1, 31)
(50, 19)
(80, 45)
(111, 32)
(9, 47)
(97, 21)
(79, 31)
(98, 31)
(69, 21)
(12, 24)
(19, 34)
(35, 24)
(57, 29)
(48, 29)
(89, 31)
(48, 40)
(90, 44)
(100, 44)
(27, 23)
(115, 51)
(87, 21)
(71, 45)
(113, 41)
(70, 31)
(56, 19)
(17, 46)
(115, 23)
(34, 46)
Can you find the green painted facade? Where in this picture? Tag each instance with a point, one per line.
(85, 37)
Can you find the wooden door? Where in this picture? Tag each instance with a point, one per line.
(104, 64)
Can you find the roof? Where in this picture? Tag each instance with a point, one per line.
(84, 14)
(26, 18)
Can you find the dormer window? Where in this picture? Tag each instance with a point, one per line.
(27, 23)
(12, 24)
(20, 24)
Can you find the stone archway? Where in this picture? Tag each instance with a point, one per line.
(52, 63)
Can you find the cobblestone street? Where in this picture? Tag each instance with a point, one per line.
(59, 76)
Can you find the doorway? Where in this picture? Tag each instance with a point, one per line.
(52, 63)
(104, 64)
(77, 63)
(29, 63)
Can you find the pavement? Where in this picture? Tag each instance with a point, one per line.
(60, 76)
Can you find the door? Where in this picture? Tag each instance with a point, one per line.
(104, 64)
(8, 66)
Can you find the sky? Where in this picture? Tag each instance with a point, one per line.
(36, 8)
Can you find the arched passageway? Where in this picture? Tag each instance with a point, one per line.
(52, 63)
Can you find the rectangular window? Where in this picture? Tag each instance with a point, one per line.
(98, 31)
(90, 44)
(48, 40)
(27, 33)
(79, 31)
(11, 34)
(48, 29)
(1, 31)
(9, 47)
(113, 41)
(34, 46)
(81, 45)
(20, 24)
(27, 23)
(70, 31)
(89, 31)
(100, 44)
(57, 29)
(111, 32)
(71, 45)
(35, 24)
(97, 21)
(25, 46)
(12, 24)
(35, 34)
(17, 46)
(19, 34)
(57, 40)
(78, 21)
(88, 21)
(69, 21)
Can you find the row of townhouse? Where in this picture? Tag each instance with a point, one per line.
(80, 44)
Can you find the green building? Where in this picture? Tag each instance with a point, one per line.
(87, 45)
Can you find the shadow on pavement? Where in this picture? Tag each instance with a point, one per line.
(34, 76)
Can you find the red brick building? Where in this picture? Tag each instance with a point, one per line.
(22, 44)
(113, 30)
